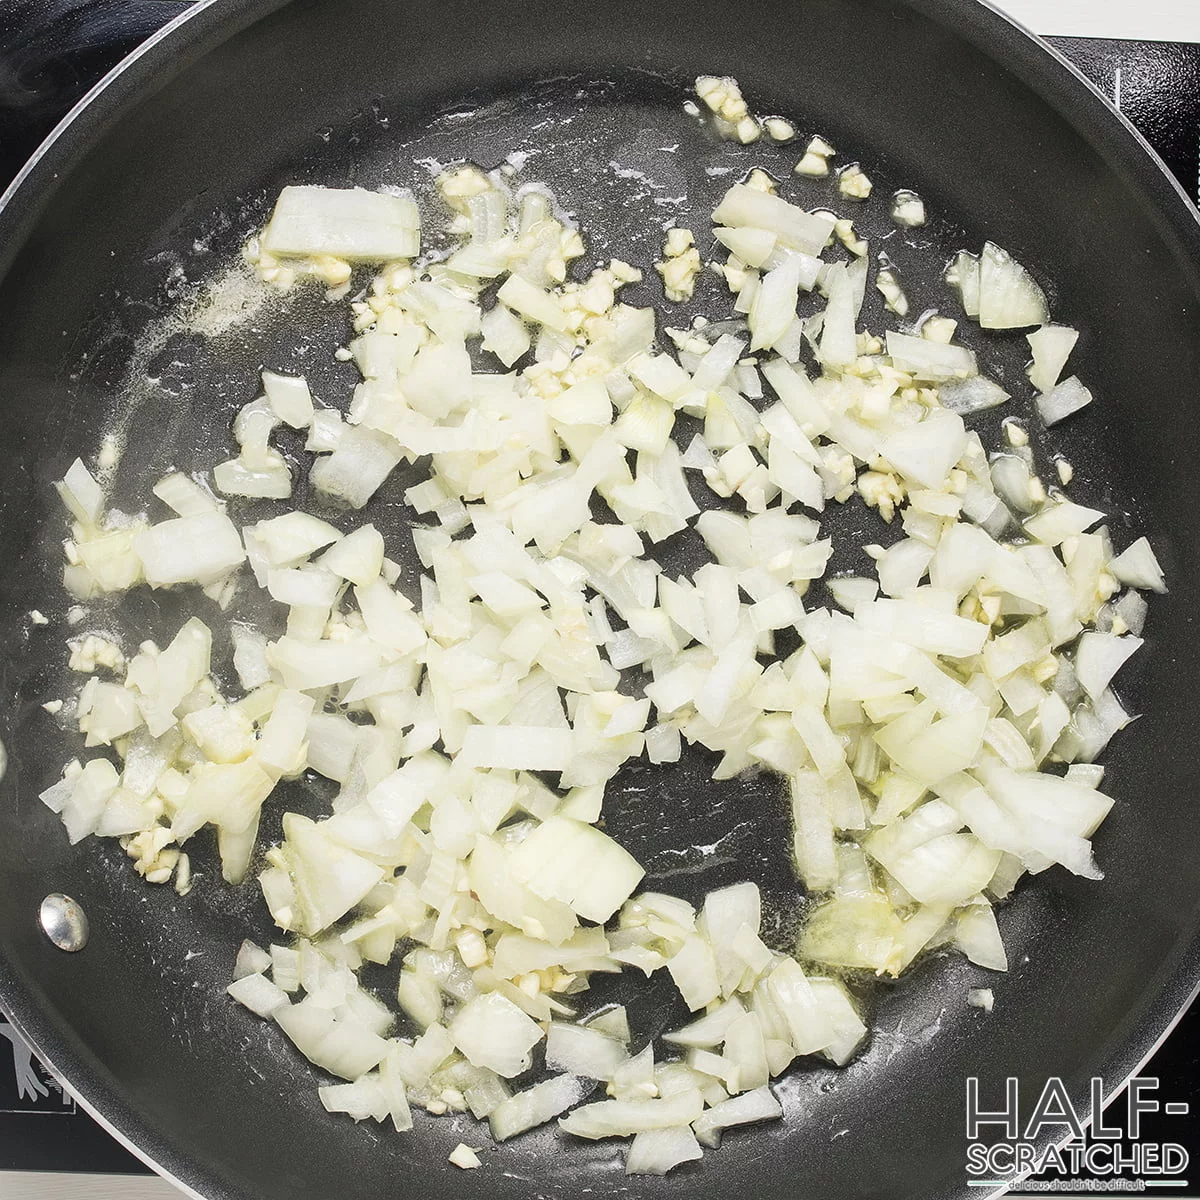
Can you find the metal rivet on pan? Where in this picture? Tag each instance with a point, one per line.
(64, 922)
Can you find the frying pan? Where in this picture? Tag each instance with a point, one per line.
(138, 203)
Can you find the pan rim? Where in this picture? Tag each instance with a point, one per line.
(88, 98)
(1036, 64)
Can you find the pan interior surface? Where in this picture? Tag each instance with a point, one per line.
(143, 206)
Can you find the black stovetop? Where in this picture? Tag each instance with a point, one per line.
(52, 51)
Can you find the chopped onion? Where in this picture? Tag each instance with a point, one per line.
(581, 1050)
(251, 960)
(981, 998)
(493, 1032)
(774, 306)
(340, 1047)
(1068, 397)
(1008, 296)
(1012, 478)
(1051, 346)
(539, 1104)
(657, 1151)
(1099, 657)
(744, 206)
(351, 223)
(289, 398)
(838, 347)
(185, 496)
(753, 246)
(930, 360)
(197, 549)
(469, 739)
(622, 1118)
(258, 994)
(360, 462)
(578, 865)
(758, 1105)
(977, 935)
(1138, 567)
(972, 395)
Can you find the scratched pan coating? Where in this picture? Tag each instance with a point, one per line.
(141, 203)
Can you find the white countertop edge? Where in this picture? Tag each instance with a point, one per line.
(1144, 20)
(47, 1185)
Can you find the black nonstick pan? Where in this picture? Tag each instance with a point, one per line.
(141, 201)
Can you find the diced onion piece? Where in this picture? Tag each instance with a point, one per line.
(613, 1023)
(199, 549)
(491, 1031)
(798, 230)
(81, 493)
(774, 306)
(1055, 523)
(251, 960)
(971, 395)
(1067, 398)
(963, 273)
(360, 1100)
(258, 994)
(709, 1030)
(304, 664)
(634, 1079)
(1138, 567)
(281, 747)
(929, 360)
(268, 480)
(361, 461)
(288, 540)
(535, 1106)
(184, 495)
(289, 397)
(1009, 298)
(838, 347)
(81, 800)
(340, 1047)
(533, 302)
(504, 334)
(349, 223)
(578, 865)
(694, 971)
(813, 844)
(841, 1018)
(1099, 657)
(758, 1105)
(621, 1118)
(728, 913)
(518, 747)
(657, 1151)
(1051, 346)
(978, 936)
(357, 557)
(926, 453)
(329, 879)
(580, 1050)
(981, 998)
(752, 246)
(464, 1157)
(662, 375)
